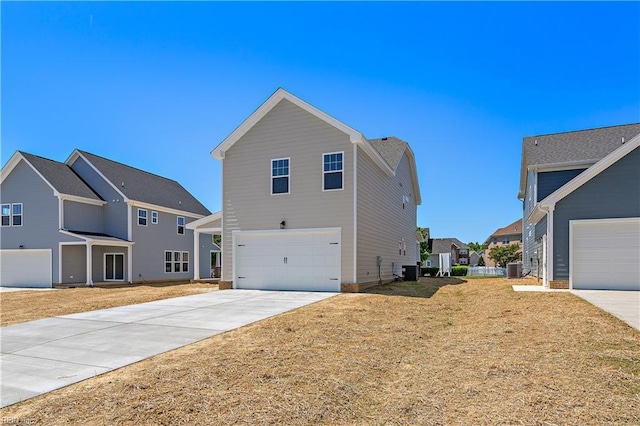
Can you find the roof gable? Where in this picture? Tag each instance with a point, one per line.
(584, 177)
(59, 176)
(385, 152)
(443, 245)
(514, 228)
(582, 147)
(139, 185)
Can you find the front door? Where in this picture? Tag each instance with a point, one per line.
(114, 267)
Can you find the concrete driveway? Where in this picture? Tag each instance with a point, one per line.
(40, 356)
(622, 304)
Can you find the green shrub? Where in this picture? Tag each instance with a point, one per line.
(459, 271)
(430, 272)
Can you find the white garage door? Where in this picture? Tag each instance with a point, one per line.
(25, 268)
(605, 254)
(288, 259)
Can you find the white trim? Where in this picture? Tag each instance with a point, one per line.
(155, 217)
(184, 225)
(60, 213)
(550, 244)
(104, 275)
(169, 210)
(13, 162)
(146, 217)
(21, 215)
(129, 222)
(77, 199)
(582, 178)
(580, 222)
(59, 262)
(557, 167)
(268, 105)
(196, 255)
(288, 176)
(355, 213)
(324, 172)
(98, 242)
(354, 136)
(414, 174)
(234, 235)
(77, 154)
(196, 224)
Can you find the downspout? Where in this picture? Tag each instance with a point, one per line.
(550, 210)
(355, 213)
(89, 265)
(196, 255)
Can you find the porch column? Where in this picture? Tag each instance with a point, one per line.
(196, 254)
(89, 266)
(130, 264)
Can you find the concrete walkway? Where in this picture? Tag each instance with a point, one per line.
(621, 304)
(40, 356)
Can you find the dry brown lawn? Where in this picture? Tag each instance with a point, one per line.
(442, 351)
(21, 306)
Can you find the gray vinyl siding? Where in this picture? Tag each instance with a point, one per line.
(205, 257)
(40, 225)
(98, 265)
(287, 131)
(382, 222)
(534, 252)
(74, 264)
(114, 216)
(548, 182)
(83, 217)
(152, 240)
(528, 229)
(614, 193)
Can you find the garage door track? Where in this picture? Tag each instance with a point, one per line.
(40, 356)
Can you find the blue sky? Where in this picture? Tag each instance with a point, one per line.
(159, 85)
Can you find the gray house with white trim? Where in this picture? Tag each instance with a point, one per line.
(310, 204)
(581, 208)
(91, 219)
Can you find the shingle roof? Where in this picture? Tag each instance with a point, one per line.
(61, 176)
(443, 245)
(146, 187)
(513, 229)
(581, 145)
(390, 148)
(589, 145)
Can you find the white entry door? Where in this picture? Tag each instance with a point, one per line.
(605, 254)
(291, 259)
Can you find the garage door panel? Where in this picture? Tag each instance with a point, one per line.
(605, 254)
(292, 260)
(26, 268)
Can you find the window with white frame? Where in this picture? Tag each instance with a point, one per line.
(463, 251)
(464, 261)
(180, 225)
(154, 218)
(176, 261)
(142, 217)
(12, 214)
(332, 171)
(505, 240)
(280, 176)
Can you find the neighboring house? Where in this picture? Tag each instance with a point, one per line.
(460, 253)
(510, 234)
(91, 219)
(474, 258)
(310, 204)
(581, 196)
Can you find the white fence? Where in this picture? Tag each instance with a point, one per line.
(486, 270)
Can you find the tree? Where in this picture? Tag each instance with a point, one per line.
(424, 246)
(505, 254)
(477, 247)
(481, 261)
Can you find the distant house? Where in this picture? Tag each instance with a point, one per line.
(510, 234)
(474, 258)
(460, 253)
(91, 219)
(309, 203)
(581, 202)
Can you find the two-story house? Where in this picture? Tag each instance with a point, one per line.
(309, 203)
(460, 254)
(581, 208)
(510, 234)
(91, 219)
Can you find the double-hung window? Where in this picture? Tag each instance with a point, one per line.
(180, 225)
(142, 217)
(280, 176)
(154, 218)
(332, 171)
(176, 261)
(12, 214)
